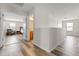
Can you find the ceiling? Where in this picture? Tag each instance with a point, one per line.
(18, 8)
(23, 8)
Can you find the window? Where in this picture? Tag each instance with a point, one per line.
(12, 26)
(69, 26)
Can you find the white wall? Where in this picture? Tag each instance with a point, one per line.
(10, 16)
(49, 17)
(25, 29)
(47, 34)
(48, 38)
(1, 28)
(57, 13)
(44, 16)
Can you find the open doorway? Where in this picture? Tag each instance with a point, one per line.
(31, 28)
(13, 28)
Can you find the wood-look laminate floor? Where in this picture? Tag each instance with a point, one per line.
(15, 46)
(69, 47)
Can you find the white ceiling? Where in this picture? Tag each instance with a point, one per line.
(22, 8)
(15, 12)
